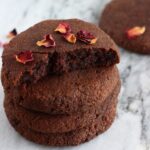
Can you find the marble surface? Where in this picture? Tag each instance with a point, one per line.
(131, 129)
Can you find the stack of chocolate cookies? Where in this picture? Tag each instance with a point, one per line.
(60, 82)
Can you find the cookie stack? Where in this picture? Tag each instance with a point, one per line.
(61, 89)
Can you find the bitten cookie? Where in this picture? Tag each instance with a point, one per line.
(127, 22)
(46, 123)
(78, 91)
(101, 124)
(55, 53)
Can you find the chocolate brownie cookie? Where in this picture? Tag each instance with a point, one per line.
(127, 22)
(101, 124)
(78, 91)
(46, 123)
(59, 56)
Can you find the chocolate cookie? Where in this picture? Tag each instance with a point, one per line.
(101, 124)
(127, 22)
(59, 57)
(46, 123)
(78, 91)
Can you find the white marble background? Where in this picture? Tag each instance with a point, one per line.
(131, 129)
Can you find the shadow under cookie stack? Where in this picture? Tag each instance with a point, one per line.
(61, 89)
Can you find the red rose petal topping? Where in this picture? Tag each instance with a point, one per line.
(63, 28)
(48, 41)
(24, 57)
(70, 37)
(12, 34)
(86, 37)
(135, 31)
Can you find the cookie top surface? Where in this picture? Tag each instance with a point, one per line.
(120, 16)
(27, 39)
(78, 91)
(47, 60)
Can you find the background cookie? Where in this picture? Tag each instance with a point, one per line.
(120, 16)
(78, 91)
(46, 123)
(101, 124)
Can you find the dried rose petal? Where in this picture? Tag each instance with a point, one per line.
(12, 34)
(135, 31)
(48, 41)
(24, 57)
(63, 28)
(70, 37)
(86, 37)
